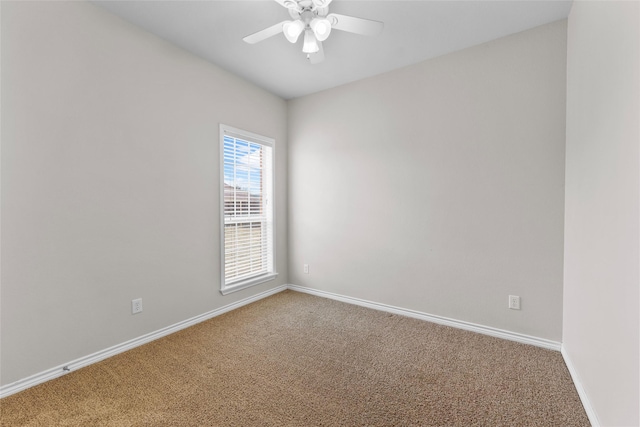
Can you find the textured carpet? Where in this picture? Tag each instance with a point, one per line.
(299, 360)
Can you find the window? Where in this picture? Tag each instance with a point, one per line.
(247, 209)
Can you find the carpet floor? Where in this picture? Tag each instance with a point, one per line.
(298, 360)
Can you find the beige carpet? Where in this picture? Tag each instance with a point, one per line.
(299, 360)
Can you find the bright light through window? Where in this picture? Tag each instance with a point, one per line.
(247, 209)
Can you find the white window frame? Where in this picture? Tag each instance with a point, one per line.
(260, 277)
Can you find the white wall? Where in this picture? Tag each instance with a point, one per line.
(439, 187)
(110, 182)
(601, 276)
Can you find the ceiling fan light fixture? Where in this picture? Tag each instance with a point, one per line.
(321, 28)
(310, 42)
(292, 30)
(313, 17)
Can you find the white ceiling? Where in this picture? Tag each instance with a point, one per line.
(414, 31)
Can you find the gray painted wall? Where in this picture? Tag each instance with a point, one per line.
(601, 278)
(439, 187)
(110, 182)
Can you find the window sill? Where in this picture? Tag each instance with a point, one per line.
(248, 283)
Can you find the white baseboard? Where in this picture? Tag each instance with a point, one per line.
(63, 369)
(586, 403)
(486, 330)
(58, 371)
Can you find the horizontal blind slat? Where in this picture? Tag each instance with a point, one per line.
(248, 233)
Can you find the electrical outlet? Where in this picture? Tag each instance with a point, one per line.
(136, 305)
(306, 269)
(514, 302)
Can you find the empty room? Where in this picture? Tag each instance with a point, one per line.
(320, 213)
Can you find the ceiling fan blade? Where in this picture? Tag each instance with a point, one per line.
(265, 34)
(289, 4)
(355, 25)
(316, 58)
(321, 3)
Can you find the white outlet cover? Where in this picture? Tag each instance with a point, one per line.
(514, 302)
(136, 305)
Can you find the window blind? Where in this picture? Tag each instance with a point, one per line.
(247, 209)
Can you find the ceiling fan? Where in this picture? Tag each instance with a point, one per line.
(313, 18)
